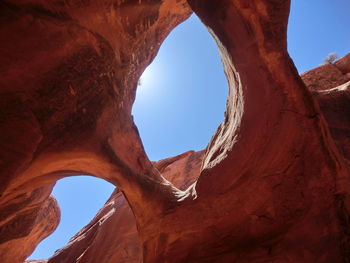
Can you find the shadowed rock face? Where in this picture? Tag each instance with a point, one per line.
(26, 221)
(69, 74)
(273, 184)
(330, 85)
(112, 235)
(335, 105)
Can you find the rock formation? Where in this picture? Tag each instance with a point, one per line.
(112, 235)
(30, 218)
(116, 234)
(330, 85)
(273, 185)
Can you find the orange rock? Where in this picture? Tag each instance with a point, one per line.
(325, 77)
(25, 222)
(343, 64)
(273, 185)
(328, 76)
(112, 235)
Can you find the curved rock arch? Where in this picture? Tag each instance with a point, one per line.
(271, 169)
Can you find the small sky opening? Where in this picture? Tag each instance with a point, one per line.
(79, 198)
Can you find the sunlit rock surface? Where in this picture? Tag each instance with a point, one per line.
(273, 182)
(327, 76)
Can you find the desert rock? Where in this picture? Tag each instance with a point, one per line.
(273, 184)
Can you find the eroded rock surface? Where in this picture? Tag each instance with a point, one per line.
(332, 91)
(68, 69)
(273, 185)
(335, 105)
(112, 235)
(32, 217)
(116, 233)
(326, 77)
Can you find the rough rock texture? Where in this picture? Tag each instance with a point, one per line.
(32, 216)
(330, 85)
(335, 105)
(273, 186)
(68, 78)
(181, 170)
(113, 230)
(344, 64)
(325, 77)
(112, 235)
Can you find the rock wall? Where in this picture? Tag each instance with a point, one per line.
(328, 76)
(330, 85)
(27, 220)
(273, 184)
(67, 70)
(115, 237)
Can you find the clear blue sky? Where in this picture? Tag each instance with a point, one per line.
(182, 98)
(79, 198)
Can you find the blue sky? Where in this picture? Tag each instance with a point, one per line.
(182, 98)
(79, 198)
(317, 28)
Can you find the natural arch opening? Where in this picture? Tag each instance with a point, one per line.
(181, 97)
(173, 101)
(184, 91)
(256, 192)
(79, 198)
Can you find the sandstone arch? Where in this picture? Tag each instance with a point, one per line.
(272, 177)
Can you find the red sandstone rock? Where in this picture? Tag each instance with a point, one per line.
(343, 64)
(67, 71)
(116, 234)
(112, 236)
(332, 91)
(335, 105)
(32, 216)
(273, 186)
(182, 170)
(328, 76)
(325, 77)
